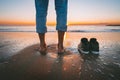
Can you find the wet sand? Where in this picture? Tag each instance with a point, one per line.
(20, 61)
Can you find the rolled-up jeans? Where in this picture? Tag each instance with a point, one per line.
(41, 15)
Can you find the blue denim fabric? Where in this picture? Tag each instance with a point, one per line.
(41, 14)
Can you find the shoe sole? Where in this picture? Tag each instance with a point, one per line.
(84, 52)
(95, 52)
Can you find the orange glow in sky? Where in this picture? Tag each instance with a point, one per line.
(22, 12)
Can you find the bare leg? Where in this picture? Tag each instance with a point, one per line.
(60, 41)
(42, 42)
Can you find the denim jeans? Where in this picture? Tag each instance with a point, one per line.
(41, 14)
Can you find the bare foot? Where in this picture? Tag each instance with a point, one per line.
(43, 49)
(60, 49)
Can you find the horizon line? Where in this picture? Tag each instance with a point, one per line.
(54, 23)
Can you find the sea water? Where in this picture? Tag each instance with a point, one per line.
(92, 28)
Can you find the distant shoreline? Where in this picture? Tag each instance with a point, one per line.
(113, 25)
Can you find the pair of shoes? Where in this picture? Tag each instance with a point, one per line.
(87, 47)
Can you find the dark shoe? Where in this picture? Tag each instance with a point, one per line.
(83, 47)
(94, 46)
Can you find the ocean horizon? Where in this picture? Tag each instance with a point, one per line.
(91, 28)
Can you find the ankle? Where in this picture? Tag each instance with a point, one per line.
(60, 46)
(43, 45)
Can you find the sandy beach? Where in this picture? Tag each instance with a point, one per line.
(20, 61)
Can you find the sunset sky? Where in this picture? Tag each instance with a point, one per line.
(79, 12)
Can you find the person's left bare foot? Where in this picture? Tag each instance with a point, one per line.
(61, 49)
(43, 49)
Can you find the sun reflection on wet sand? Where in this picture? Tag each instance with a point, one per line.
(26, 63)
